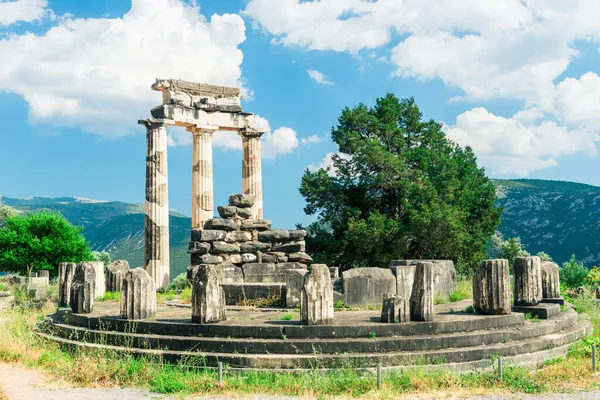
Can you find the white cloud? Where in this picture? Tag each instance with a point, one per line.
(318, 77)
(327, 163)
(13, 11)
(96, 73)
(578, 100)
(313, 139)
(517, 145)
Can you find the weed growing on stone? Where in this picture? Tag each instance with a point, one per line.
(470, 309)
(287, 317)
(372, 335)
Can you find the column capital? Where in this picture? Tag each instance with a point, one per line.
(199, 129)
(156, 122)
(249, 133)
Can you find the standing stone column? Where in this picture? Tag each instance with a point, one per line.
(550, 280)
(491, 288)
(528, 281)
(208, 297)
(252, 170)
(421, 299)
(83, 289)
(115, 273)
(202, 176)
(66, 272)
(156, 226)
(316, 301)
(138, 295)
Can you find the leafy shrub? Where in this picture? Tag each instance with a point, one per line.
(593, 277)
(180, 282)
(287, 317)
(573, 274)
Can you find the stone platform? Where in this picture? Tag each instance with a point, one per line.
(259, 339)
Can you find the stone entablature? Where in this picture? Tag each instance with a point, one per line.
(247, 250)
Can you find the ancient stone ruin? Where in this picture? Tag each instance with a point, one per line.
(138, 295)
(115, 273)
(491, 288)
(528, 281)
(100, 281)
(421, 299)
(83, 288)
(208, 297)
(316, 301)
(550, 282)
(66, 273)
(294, 282)
(396, 309)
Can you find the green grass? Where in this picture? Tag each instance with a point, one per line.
(110, 296)
(470, 309)
(440, 300)
(464, 290)
(287, 317)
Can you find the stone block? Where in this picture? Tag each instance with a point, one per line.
(208, 298)
(367, 286)
(244, 212)
(238, 236)
(248, 257)
(227, 211)
(232, 259)
(300, 257)
(224, 248)
(405, 276)
(292, 247)
(294, 281)
(38, 292)
(20, 281)
(115, 273)
(207, 235)
(198, 259)
(229, 273)
(395, 309)
(222, 224)
(83, 289)
(444, 274)
(280, 256)
(242, 293)
(421, 299)
(198, 247)
(138, 295)
(267, 258)
(66, 272)
(491, 288)
(550, 280)
(298, 234)
(254, 247)
(276, 235)
(256, 225)
(241, 200)
(263, 273)
(291, 265)
(42, 274)
(527, 273)
(100, 278)
(316, 302)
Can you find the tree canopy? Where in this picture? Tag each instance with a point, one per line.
(398, 188)
(39, 241)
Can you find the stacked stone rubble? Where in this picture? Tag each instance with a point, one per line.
(138, 295)
(247, 250)
(550, 280)
(115, 273)
(83, 288)
(66, 272)
(491, 288)
(316, 301)
(527, 272)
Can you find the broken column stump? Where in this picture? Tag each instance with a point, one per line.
(421, 299)
(138, 295)
(316, 302)
(395, 309)
(115, 273)
(66, 273)
(491, 288)
(527, 272)
(294, 281)
(100, 288)
(550, 280)
(83, 289)
(208, 298)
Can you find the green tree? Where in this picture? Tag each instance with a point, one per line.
(103, 256)
(39, 241)
(573, 273)
(508, 249)
(544, 256)
(398, 188)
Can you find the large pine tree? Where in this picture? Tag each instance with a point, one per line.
(398, 189)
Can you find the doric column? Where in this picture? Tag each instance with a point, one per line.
(202, 175)
(156, 226)
(252, 170)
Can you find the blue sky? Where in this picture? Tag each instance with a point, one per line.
(517, 80)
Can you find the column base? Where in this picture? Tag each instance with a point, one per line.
(159, 272)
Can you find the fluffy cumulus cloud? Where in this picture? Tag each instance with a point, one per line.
(494, 49)
(96, 73)
(318, 77)
(14, 11)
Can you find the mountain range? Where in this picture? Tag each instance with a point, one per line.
(560, 218)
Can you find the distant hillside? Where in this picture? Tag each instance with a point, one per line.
(560, 218)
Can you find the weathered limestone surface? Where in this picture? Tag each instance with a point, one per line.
(421, 299)
(252, 170)
(444, 274)
(367, 286)
(202, 176)
(100, 278)
(395, 309)
(156, 225)
(550, 280)
(138, 295)
(405, 276)
(527, 273)
(66, 273)
(491, 288)
(294, 281)
(229, 273)
(208, 298)
(115, 273)
(316, 302)
(83, 289)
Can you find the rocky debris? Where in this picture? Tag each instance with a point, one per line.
(395, 309)
(66, 273)
(138, 295)
(367, 286)
(444, 274)
(83, 288)
(294, 281)
(527, 273)
(208, 298)
(316, 301)
(491, 288)
(421, 299)
(550, 280)
(241, 200)
(115, 273)
(227, 211)
(222, 224)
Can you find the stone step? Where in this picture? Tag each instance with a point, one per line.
(308, 346)
(542, 310)
(356, 360)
